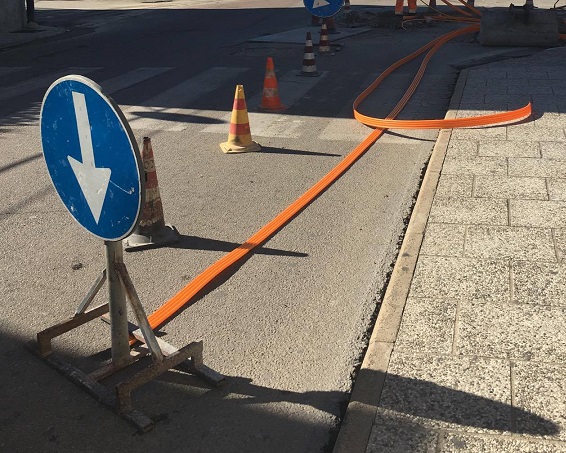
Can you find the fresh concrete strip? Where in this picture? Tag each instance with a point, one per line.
(360, 414)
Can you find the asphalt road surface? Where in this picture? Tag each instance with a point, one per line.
(288, 326)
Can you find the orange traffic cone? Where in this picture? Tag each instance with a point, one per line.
(270, 99)
(151, 230)
(309, 63)
(324, 44)
(239, 136)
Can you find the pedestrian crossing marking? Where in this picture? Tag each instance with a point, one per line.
(39, 82)
(291, 89)
(176, 101)
(170, 111)
(130, 79)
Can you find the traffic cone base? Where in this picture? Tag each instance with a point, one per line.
(232, 148)
(277, 108)
(151, 230)
(165, 235)
(309, 74)
(239, 136)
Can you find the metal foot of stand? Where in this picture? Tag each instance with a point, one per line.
(164, 355)
(193, 365)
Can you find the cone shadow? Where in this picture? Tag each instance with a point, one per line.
(270, 150)
(198, 243)
(178, 117)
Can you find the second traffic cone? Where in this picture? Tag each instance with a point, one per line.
(239, 136)
(309, 63)
(151, 230)
(270, 100)
(323, 44)
(329, 21)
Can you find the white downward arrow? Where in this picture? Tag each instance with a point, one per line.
(319, 3)
(93, 181)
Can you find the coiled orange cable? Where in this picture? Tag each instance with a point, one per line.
(188, 293)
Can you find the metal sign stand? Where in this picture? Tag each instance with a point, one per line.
(164, 355)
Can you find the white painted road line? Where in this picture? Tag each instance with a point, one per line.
(130, 79)
(176, 101)
(39, 82)
(292, 88)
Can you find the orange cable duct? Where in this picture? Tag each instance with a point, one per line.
(186, 294)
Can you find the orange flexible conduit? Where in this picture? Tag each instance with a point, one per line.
(186, 294)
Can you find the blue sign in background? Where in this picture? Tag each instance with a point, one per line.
(323, 8)
(113, 147)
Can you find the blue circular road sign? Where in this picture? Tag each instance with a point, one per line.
(92, 157)
(323, 8)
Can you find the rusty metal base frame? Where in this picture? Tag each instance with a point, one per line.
(165, 357)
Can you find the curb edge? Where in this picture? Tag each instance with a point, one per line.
(356, 426)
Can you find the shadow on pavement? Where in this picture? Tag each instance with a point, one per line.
(42, 411)
(199, 243)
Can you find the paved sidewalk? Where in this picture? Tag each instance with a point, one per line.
(469, 349)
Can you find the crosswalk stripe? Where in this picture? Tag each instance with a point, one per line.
(6, 71)
(291, 89)
(130, 78)
(140, 116)
(36, 83)
(346, 129)
(30, 115)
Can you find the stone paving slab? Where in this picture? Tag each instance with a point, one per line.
(457, 443)
(542, 168)
(537, 213)
(512, 331)
(509, 242)
(447, 277)
(427, 326)
(444, 239)
(556, 189)
(539, 391)
(482, 211)
(475, 166)
(510, 187)
(446, 392)
(501, 148)
(539, 283)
